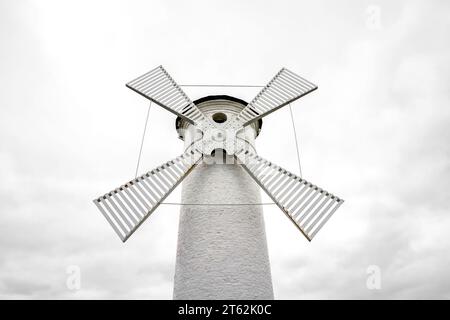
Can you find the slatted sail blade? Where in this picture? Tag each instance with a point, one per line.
(158, 86)
(307, 206)
(284, 88)
(127, 207)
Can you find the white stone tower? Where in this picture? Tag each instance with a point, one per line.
(222, 249)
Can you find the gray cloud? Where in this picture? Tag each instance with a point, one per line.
(376, 132)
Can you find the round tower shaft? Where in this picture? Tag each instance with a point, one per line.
(222, 249)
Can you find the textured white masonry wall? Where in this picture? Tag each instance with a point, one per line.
(222, 250)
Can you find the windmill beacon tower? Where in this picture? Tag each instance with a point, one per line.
(222, 249)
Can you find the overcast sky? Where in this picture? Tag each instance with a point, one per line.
(376, 133)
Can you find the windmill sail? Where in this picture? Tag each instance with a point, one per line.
(307, 206)
(127, 207)
(158, 86)
(284, 88)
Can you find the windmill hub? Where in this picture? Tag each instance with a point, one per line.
(219, 135)
(217, 139)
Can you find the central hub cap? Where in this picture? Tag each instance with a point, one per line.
(219, 135)
(215, 137)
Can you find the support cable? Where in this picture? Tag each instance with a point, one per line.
(296, 142)
(222, 85)
(142, 142)
(218, 204)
